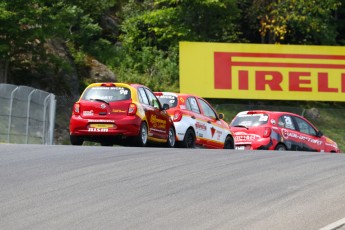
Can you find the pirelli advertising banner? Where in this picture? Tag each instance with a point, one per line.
(273, 72)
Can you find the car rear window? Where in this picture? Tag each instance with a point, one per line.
(108, 94)
(249, 120)
(168, 99)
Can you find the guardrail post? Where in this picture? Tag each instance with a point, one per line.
(52, 111)
(28, 116)
(10, 115)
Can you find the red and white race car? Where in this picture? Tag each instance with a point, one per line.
(273, 130)
(196, 122)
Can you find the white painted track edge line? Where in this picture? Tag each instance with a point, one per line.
(334, 225)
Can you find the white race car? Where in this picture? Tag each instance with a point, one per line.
(196, 122)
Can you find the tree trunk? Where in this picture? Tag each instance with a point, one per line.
(3, 70)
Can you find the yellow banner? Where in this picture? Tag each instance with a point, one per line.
(274, 72)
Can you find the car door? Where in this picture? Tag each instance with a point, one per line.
(199, 122)
(158, 118)
(148, 109)
(310, 141)
(290, 135)
(215, 134)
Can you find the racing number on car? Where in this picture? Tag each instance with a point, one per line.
(124, 92)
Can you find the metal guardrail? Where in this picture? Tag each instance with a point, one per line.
(27, 115)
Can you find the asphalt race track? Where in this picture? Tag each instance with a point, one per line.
(69, 187)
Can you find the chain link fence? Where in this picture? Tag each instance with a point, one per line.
(27, 115)
(64, 107)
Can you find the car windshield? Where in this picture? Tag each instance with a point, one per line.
(168, 99)
(249, 120)
(107, 94)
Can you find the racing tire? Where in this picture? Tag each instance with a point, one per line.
(189, 139)
(76, 140)
(171, 138)
(280, 147)
(141, 139)
(229, 143)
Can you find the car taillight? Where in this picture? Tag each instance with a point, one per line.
(177, 115)
(76, 109)
(132, 110)
(267, 132)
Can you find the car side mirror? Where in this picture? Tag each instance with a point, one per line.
(166, 106)
(221, 116)
(319, 134)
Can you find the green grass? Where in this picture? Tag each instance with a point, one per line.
(332, 123)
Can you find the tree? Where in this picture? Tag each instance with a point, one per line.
(340, 24)
(153, 28)
(27, 26)
(297, 22)
(162, 23)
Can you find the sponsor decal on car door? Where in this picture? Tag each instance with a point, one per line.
(289, 133)
(216, 138)
(308, 136)
(158, 124)
(201, 129)
(157, 118)
(297, 135)
(214, 132)
(200, 124)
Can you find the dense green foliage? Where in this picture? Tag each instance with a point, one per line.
(297, 22)
(27, 27)
(138, 39)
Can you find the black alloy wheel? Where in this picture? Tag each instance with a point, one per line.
(171, 137)
(189, 139)
(229, 143)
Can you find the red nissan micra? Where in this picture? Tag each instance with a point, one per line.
(119, 113)
(270, 130)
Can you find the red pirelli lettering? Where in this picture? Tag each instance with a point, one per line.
(323, 83)
(295, 81)
(243, 83)
(222, 70)
(273, 81)
(298, 81)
